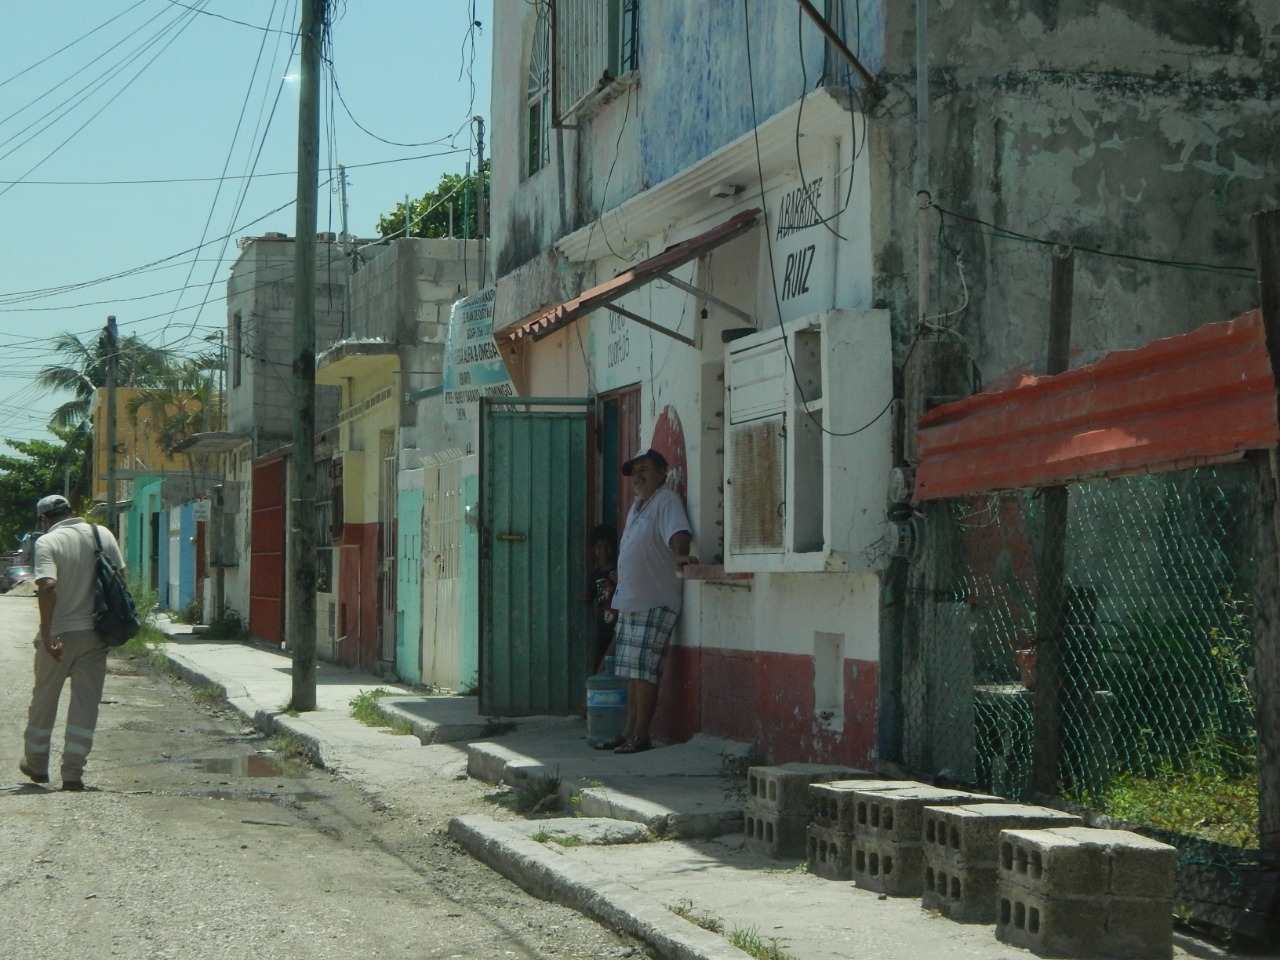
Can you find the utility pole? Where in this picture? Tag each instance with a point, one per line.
(110, 343)
(302, 462)
(482, 210)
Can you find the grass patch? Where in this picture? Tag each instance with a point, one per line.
(291, 748)
(210, 693)
(229, 626)
(1210, 792)
(734, 769)
(533, 795)
(685, 910)
(561, 839)
(1196, 803)
(287, 709)
(749, 941)
(364, 707)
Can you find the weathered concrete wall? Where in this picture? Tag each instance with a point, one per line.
(1144, 129)
(260, 290)
(692, 96)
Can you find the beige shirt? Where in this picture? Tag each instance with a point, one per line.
(65, 554)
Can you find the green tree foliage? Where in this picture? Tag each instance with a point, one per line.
(36, 468)
(83, 369)
(184, 401)
(429, 215)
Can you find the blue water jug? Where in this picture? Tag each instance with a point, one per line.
(606, 705)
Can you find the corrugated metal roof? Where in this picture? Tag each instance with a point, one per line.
(1201, 397)
(644, 272)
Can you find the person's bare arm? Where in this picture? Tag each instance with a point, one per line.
(47, 601)
(680, 543)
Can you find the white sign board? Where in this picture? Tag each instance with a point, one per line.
(473, 367)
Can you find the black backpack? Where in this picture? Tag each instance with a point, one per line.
(114, 615)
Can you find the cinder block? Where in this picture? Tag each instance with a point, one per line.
(897, 816)
(785, 789)
(959, 893)
(1103, 926)
(831, 805)
(969, 835)
(1141, 867)
(896, 869)
(830, 853)
(774, 835)
(1051, 865)
(1083, 861)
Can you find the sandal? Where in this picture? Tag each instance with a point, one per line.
(634, 746)
(613, 743)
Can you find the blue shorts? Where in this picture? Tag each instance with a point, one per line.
(640, 644)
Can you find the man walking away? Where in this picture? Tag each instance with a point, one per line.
(67, 645)
(655, 544)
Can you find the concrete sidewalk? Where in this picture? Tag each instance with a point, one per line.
(651, 832)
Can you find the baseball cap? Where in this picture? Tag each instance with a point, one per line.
(658, 459)
(53, 503)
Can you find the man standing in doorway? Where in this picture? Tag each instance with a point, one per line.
(68, 646)
(655, 545)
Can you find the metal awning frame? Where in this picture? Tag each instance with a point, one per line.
(603, 295)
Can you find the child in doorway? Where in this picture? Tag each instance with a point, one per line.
(604, 580)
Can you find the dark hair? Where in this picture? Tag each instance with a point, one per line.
(604, 533)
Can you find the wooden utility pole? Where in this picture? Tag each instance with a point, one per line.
(1051, 596)
(1266, 591)
(111, 348)
(482, 209)
(301, 513)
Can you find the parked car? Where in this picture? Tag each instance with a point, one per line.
(13, 576)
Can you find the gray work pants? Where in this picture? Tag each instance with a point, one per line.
(84, 660)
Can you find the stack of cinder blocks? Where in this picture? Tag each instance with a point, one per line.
(962, 852)
(833, 809)
(777, 814)
(888, 835)
(1081, 892)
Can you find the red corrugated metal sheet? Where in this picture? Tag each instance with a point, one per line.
(644, 272)
(1205, 396)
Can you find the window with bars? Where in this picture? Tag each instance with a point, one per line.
(538, 96)
(595, 42)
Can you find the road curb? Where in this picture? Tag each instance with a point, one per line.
(551, 876)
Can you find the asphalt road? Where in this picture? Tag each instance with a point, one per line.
(199, 839)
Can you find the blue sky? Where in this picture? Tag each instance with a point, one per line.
(145, 137)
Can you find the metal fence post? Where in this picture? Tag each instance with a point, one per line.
(1266, 635)
(1052, 594)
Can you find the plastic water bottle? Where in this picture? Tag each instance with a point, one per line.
(606, 705)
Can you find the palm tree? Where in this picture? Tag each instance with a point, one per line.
(85, 370)
(182, 403)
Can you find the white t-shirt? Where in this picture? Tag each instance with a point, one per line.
(646, 566)
(65, 554)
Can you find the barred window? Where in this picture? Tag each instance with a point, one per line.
(538, 95)
(596, 41)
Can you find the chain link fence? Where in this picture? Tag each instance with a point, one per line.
(1152, 675)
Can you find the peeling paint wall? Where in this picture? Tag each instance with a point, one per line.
(1144, 129)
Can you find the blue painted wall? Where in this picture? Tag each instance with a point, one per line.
(697, 80)
(185, 544)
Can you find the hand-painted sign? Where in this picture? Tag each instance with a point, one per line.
(473, 367)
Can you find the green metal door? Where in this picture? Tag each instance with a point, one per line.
(534, 626)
